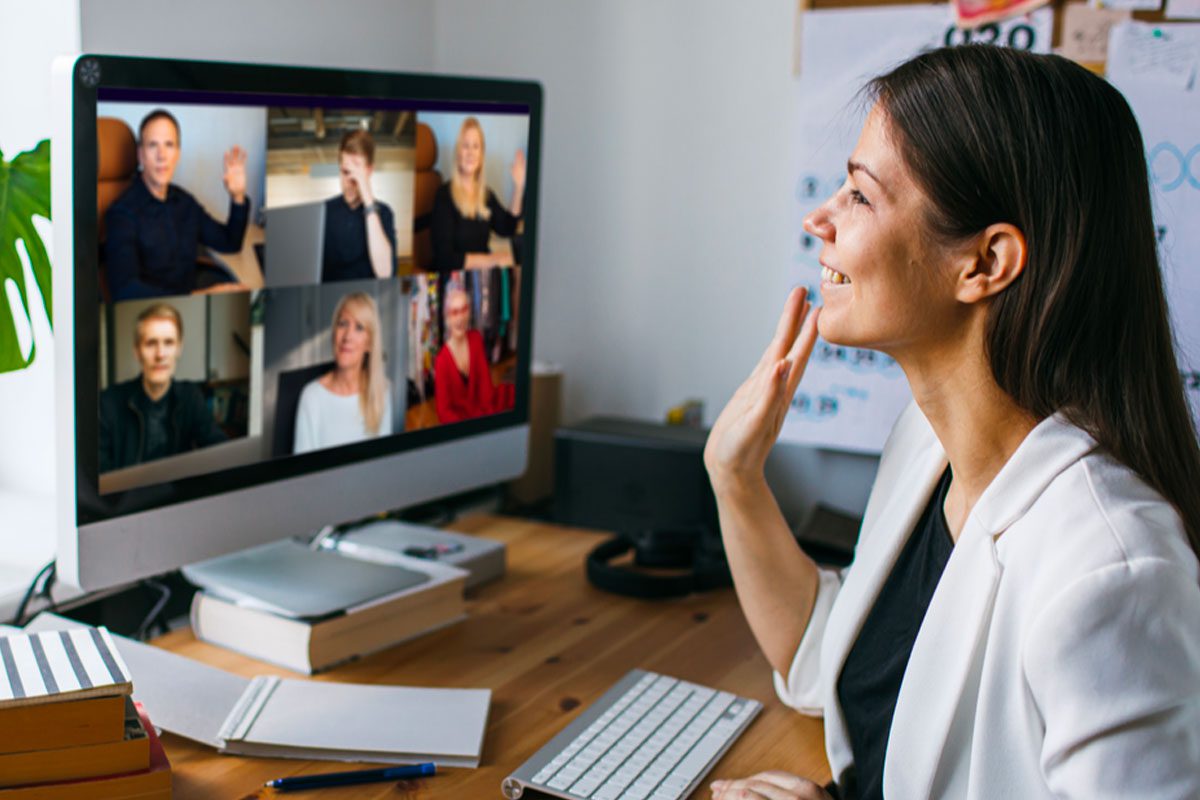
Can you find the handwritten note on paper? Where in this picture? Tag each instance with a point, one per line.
(1167, 55)
(1169, 117)
(1085, 32)
(850, 398)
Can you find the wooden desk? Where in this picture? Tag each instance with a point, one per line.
(547, 644)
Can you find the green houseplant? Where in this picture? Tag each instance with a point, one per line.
(24, 194)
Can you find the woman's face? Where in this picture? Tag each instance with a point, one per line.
(351, 340)
(470, 152)
(458, 313)
(885, 283)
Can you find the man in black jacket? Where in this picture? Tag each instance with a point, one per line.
(153, 415)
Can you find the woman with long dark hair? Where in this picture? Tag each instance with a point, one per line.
(1022, 617)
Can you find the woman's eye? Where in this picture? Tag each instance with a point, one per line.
(858, 197)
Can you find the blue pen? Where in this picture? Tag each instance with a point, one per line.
(350, 778)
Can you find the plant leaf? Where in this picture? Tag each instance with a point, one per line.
(24, 194)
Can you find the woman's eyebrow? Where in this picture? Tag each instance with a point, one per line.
(853, 166)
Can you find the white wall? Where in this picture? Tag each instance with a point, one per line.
(665, 204)
(665, 192)
(364, 34)
(27, 397)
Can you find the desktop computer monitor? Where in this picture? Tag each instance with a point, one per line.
(285, 297)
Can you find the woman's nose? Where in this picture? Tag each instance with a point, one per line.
(819, 224)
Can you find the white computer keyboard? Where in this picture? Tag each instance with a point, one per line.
(649, 737)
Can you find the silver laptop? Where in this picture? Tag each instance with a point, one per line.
(289, 579)
(294, 245)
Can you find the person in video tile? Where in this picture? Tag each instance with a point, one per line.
(466, 212)
(360, 231)
(462, 376)
(153, 415)
(155, 228)
(351, 402)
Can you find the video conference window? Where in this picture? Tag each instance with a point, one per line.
(280, 279)
(178, 188)
(333, 366)
(470, 190)
(174, 379)
(463, 339)
(340, 194)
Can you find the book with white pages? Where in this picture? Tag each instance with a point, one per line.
(283, 718)
(53, 666)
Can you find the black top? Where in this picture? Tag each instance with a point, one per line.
(347, 256)
(156, 415)
(454, 235)
(152, 244)
(127, 423)
(870, 679)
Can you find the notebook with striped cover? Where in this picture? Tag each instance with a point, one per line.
(51, 666)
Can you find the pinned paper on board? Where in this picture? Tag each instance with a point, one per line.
(850, 398)
(1183, 9)
(1169, 117)
(1129, 5)
(1164, 55)
(1085, 32)
(974, 13)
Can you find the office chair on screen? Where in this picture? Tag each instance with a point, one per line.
(425, 185)
(116, 165)
(287, 401)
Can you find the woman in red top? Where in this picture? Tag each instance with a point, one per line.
(462, 376)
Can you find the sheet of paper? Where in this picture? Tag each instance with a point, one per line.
(1131, 5)
(1169, 117)
(1183, 9)
(1085, 32)
(1155, 54)
(850, 398)
(976, 13)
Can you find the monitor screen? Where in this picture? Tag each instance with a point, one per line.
(282, 272)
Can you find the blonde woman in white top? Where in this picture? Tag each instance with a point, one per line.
(350, 402)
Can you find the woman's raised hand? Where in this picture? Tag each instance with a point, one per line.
(747, 428)
(518, 170)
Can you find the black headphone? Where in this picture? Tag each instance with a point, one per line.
(697, 550)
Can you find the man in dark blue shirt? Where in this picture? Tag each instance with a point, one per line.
(155, 229)
(360, 231)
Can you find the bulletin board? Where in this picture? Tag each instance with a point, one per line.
(849, 398)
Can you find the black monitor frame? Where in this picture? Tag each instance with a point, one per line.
(99, 77)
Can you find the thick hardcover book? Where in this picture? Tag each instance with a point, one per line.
(129, 754)
(308, 645)
(151, 783)
(65, 724)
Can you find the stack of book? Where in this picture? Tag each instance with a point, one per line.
(69, 729)
(309, 610)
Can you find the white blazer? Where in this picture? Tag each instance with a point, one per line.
(1060, 655)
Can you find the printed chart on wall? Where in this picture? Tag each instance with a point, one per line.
(1157, 68)
(849, 398)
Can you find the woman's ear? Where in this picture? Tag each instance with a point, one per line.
(993, 264)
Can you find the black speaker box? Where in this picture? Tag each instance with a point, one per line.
(627, 476)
